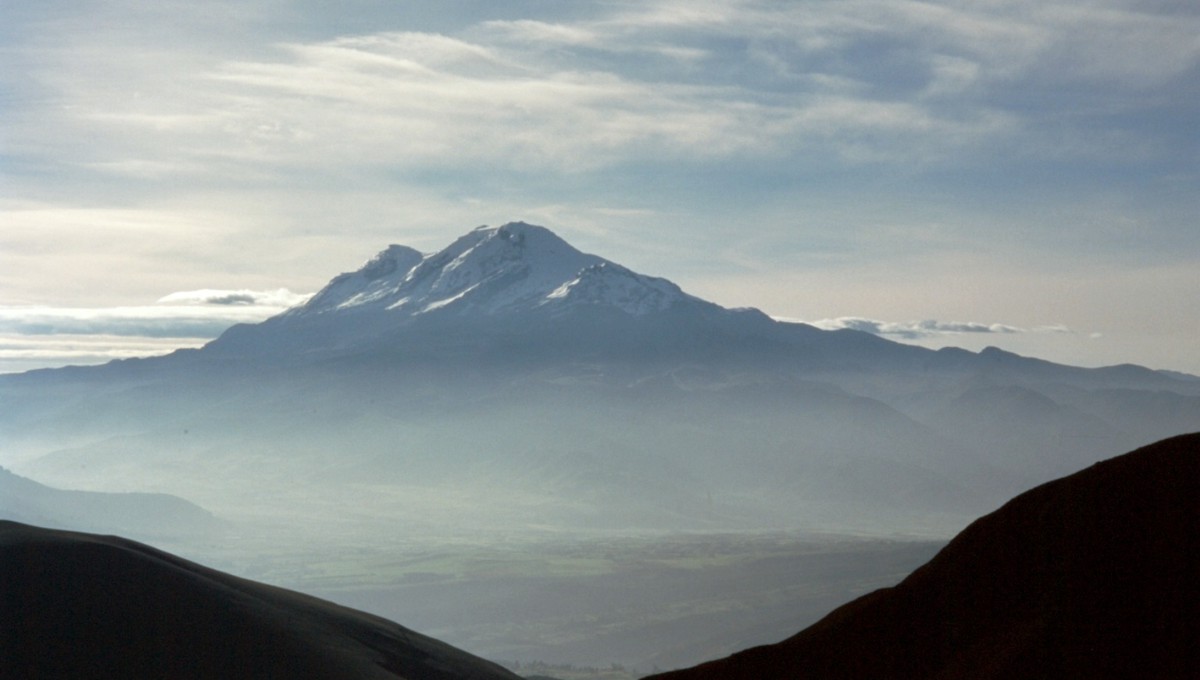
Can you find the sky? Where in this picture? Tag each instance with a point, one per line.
(970, 173)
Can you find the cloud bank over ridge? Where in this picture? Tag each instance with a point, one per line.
(928, 328)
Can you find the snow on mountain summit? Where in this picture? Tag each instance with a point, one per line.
(513, 267)
(374, 281)
(616, 286)
(490, 282)
(493, 268)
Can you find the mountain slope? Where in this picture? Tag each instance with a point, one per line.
(80, 605)
(1089, 576)
(145, 515)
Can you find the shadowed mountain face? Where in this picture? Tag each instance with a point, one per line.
(510, 382)
(84, 606)
(1090, 576)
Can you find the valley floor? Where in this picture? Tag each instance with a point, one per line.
(598, 607)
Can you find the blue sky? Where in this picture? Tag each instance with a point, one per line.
(1023, 174)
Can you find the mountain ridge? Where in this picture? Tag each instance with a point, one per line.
(506, 285)
(143, 515)
(1091, 575)
(519, 279)
(83, 605)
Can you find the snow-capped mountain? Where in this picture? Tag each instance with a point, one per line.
(493, 270)
(493, 278)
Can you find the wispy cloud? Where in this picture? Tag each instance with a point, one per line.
(38, 335)
(405, 99)
(272, 300)
(928, 328)
(807, 83)
(727, 77)
(22, 352)
(187, 314)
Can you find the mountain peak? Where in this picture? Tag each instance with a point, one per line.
(389, 260)
(521, 236)
(491, 269)
(520, 229)
(516, 269)
(371, 282)
(513, 267)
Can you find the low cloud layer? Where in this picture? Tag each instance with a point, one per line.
(919, 330)
(187, 314)
(281, 298)
(24, 352)
(36, 336)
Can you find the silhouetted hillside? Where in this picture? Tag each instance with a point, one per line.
(84, 606)
(1089, 576)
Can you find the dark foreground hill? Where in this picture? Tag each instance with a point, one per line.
(78, 605)
(1090, 576)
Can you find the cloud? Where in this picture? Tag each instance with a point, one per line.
(275, 299)
(496, 95)
(35, 336)
(23, 352)
(546, 33)
(402, 100)
(916, 330)
(188, 314)
(815, 84)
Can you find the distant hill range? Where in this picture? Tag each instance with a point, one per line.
(512, 382)
(143, 515)
(1089, 576)
(86, 606)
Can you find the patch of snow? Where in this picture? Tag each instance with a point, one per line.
(375, 281)
(398, 304)
(615, 286)
(438, 304)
